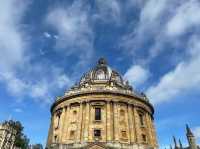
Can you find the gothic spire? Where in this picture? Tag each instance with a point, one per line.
(189, 132)
(180, 144)
(175, 144)
(170, 146)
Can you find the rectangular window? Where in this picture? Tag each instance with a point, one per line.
(124, 135)
(97, 113)
(141, 119)
(72, 134)
(144, 138)
(55, 139)
(97, 133)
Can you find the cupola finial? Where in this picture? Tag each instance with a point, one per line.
(102, 61)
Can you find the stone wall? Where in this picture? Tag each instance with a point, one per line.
(124, 120)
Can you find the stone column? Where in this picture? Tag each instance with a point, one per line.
(65, 129)
(61, 121)
(108, 121)
(137, 125)
(86, 127)
(131, 123)
(80, 121)
(63, 124)
(148, 129)
(116, 121)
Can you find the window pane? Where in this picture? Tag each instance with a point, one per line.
(144, 138)
(141, 119)
(97, 113)
(97, 133)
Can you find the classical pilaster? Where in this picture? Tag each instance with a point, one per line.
(108, 121)
(131, 123)
(149, 132)
(86, 127)
(137, 125)
(63, 119)
(61, 122)
(116, 121)
(65, 129)
(80, 121)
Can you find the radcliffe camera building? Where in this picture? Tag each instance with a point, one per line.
(102, 111)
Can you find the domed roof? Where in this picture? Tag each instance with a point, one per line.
(103, 78)
(100, 75)
(103, 74)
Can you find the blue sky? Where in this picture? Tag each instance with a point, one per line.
(47, 45)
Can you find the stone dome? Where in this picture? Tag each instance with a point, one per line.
(102, 74)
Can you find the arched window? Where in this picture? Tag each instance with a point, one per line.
(57, 120)
(55, 138)
(74, 112)
(122, 112)
(74, 117)
(72, 134)
(144, 138)
(97, 113)
(124, 134)
(100, 75)
(141, 118)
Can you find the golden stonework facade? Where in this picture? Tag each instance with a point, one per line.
(102, 111)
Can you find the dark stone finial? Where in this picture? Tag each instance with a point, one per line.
(102, 61)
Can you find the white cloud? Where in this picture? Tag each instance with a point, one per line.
(159, 21)
(63, 80)
(136, 75)
(12, 43)
(185, 18)
(47, 35)
(14, 58)
(196, 131)
(40, 90)
(74, 29)
(18, 110)
(109, 10)
(14, 85)
(183, 78)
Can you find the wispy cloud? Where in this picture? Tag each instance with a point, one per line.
(137, 75)
(16, 56)
(162, 27)
(74, 30)
(182, 79)
(185, 19)
(159, 21)
(47, 35)
(18, 110)
(108, 11)
(12, 42)
(196, 131)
